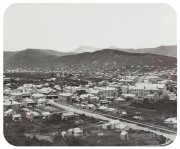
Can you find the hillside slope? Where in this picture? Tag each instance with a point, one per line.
(102, 59)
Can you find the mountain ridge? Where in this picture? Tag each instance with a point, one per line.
(106, 58)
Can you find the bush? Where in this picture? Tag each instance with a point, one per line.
(162, 139)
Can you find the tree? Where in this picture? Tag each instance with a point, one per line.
(166, 97)
(162, 139)
(68, 99)
(146, 100)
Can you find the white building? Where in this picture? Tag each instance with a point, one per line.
(65, 97)
(109, 92)
(144, 89)
(149, 79)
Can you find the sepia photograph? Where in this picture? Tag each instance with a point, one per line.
(90, 74)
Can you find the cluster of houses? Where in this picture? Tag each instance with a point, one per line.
(92, 96)
(117, 126)
(73, 132)
(111, 125)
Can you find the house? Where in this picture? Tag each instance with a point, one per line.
(137, 117)
(126, 96)
(103, 102)
(26, 110)
(70, 132)
(120, 100)
(52, 96)
(92, 97)
(124, 135)
(94, 91)
(47, 90)
(81, 91)
(124, 89)
(171, 122)
(29, 86)
(45, 114)
(84, 97)
(31, 115)
(17, 96)
(106, 126)
(41, 101)
(6, 79)
(144, 89)
(112, 110)
(103, 108)
(26, 94)
(67, 115)
(82, 106)
(9, 112)
(67, 89)
(39, 86)
(91, 107)
(46, 84)
(123, 113)
(79, 121)
(7, 92)
(37, 96)
(65, 97)
(27, 102)
(64, 134)
(78, 132)
(121, 127)
(172, 96)
(16, 117)
(148, 79)
(113, 123)
(11, 103)
(109, 92)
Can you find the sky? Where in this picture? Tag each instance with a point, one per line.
(65, 27)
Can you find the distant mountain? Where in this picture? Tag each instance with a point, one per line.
(103, 59)
(7, 54)
(29, 58)
(114, 58)
(83, 49)
(113, 47)
(162, 50)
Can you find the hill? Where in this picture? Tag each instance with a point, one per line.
(161, 50)
(103, 59)
(7, 54)
(29, 58)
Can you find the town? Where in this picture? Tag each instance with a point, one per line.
(135, 107)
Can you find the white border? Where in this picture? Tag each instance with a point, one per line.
(6, 3)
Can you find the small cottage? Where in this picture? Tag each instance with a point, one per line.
(124, 135)
(121, 127)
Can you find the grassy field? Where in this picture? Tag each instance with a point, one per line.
(152, 116)
(112, 138)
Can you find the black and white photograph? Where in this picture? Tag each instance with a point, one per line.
(90, 74)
